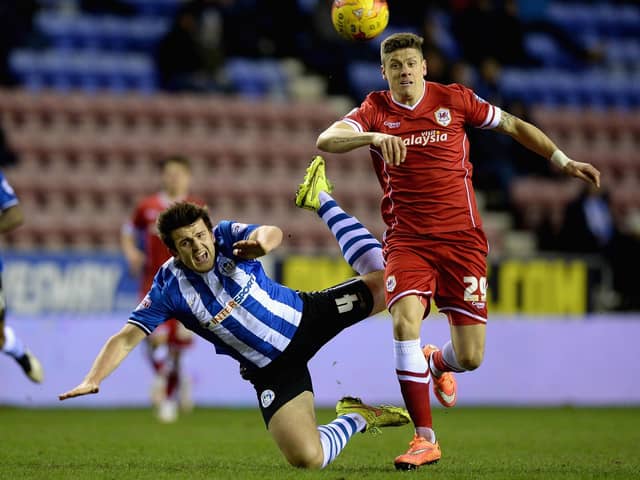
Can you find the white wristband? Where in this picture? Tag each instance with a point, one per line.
(559, 158)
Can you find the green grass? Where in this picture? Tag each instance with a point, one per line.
(477, 443)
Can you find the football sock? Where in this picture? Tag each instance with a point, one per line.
(444, 361)
(335, 435)
(172, 383)
(13, 346)
(359, 247)
(414, 377)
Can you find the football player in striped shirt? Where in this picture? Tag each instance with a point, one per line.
(217, 288)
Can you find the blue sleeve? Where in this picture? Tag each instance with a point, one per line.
(8, 196)
(228, 232)
(153, 310)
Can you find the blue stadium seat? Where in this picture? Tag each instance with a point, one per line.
(365, 77)
(101, 32)
(65, 70)
(256, 78)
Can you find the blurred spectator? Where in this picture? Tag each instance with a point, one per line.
(190, 55)
(590, 227)
(113, 7)
(7, 156)
(487, 28)
(261, 28)
(532, 17)
(16, 25)
(327, 54)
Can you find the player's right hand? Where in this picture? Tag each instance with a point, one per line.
(393, 149)
(82, 389)
(584, 171)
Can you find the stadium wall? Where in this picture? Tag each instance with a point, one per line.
(542, 361)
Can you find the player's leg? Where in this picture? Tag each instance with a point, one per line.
(308, 445)
(178, 339)
(467, 344)
(359, 247)
(295, 431)
(156, 351)
(409, 283)
(15, 348)
(462, 296)
(414, 376)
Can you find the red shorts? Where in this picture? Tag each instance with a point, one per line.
(449, 267)
(174, 334)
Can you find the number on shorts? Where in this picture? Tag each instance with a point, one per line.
(345, 303)
(476, 289)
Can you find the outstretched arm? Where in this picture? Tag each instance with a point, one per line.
(11, 218)
(113, 352)
(536, 140)
(340, 138)
(261, 241)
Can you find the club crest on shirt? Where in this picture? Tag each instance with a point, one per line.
(226, 265)
(391, 283)
(145, 303)
(236, 228)
(266, 398)
(443, 116)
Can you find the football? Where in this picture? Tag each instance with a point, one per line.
(359, 20)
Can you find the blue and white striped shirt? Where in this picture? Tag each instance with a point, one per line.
(8, 198)
(235, 306)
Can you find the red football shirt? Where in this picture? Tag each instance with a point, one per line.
(144, 220)
(431, 191)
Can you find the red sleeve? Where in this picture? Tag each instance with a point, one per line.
(365, 117)
(478, 112)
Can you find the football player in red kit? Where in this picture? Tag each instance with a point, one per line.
(434, 245)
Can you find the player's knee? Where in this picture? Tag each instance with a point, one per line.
(306, 457)
(470, 360)
(375, 282)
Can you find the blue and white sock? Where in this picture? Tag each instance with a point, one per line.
(335, 435)
(12, 344)
(359, 247)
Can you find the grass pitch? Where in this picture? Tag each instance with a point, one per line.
(477, 443)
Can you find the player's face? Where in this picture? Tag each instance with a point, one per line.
(176, 179)
(404, 70)
(194, 246)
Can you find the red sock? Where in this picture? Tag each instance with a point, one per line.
(416, 397)
(172, 383)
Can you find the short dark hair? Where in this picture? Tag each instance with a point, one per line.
(398, 41)
(178, 215)
(179, 159)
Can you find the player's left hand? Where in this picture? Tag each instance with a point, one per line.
(584, 171)
(82, 389)
(248, 249)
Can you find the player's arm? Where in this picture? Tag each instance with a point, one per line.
(261, 241)
(11, 218)
(536, 140)
(135, 257)
(341, 137)
(112, 354)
